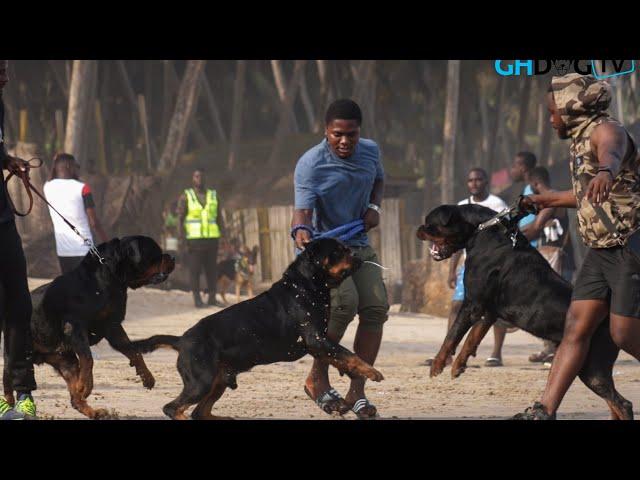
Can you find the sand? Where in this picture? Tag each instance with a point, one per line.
(275, 391)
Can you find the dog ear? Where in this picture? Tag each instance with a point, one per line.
(133, 252)
(448, 214)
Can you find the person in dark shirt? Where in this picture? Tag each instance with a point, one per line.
(14, 290)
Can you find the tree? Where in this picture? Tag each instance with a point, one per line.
(236, 115)
(185, 106)
(450, 128)
(285, 110)
(80, 105)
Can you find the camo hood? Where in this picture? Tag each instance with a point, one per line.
(580, 100)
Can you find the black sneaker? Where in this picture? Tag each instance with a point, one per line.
(537, 412)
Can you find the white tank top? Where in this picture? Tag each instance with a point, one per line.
(66, 196)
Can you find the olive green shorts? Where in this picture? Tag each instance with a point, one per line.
(363, 293)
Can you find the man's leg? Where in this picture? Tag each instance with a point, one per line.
(499, 334)
(582, 321)
(344, 305)
(194, 264)
(18, 341)
(373, 308)
(211, 271)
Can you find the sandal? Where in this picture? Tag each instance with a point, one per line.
(362, 406)
(537, 412)
(493, 362)
(329, 402)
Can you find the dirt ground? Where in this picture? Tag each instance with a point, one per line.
(275, 391)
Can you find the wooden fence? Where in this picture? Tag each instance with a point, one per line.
(268, 228)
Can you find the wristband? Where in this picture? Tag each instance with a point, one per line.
(375, 207)
(606, 169)
(295, 229)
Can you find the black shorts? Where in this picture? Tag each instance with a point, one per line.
(613, 275)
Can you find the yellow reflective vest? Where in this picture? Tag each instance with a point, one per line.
(201, 221)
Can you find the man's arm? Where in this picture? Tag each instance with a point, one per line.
(90, 208)
(532, 230)
(95, 224)
(302, 217)
(609, 141)
(371, 217)
(565, 199)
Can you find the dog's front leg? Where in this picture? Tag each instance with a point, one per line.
(465, 319)
(344, 360)
(477, 333)
(78, 338)
(119, 340)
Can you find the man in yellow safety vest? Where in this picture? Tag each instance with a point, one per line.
(201, 228)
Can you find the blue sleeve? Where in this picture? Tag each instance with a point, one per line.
(304, 191)
(529, 218)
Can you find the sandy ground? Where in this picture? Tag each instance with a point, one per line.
(275, 391)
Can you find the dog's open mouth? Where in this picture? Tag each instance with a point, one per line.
(440, 252)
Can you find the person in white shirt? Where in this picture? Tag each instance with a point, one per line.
(478, 185)
(73, 199)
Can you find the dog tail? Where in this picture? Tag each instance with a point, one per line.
(157, 341)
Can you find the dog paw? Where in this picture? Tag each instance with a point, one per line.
(101, 414)
(457, 370)
(436, 367)
(373, 374)
(148, 381)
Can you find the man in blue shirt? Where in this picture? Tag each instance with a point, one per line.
(523, 164)
(338, 181)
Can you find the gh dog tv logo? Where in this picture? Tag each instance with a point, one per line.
(598, 68)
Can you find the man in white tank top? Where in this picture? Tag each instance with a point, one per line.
(73, 199)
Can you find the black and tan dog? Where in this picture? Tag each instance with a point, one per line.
(507, 278)
(81, 307)
(239, 272)
(280, 325)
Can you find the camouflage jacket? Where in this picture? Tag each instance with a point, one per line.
(623, 205)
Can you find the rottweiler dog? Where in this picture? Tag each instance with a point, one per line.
(507, 278)
(87, 304)
(239, 271)
(280, 325)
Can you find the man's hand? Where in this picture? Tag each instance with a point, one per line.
(452, 280)
(600, 187)
(302, 238)
(371, 219)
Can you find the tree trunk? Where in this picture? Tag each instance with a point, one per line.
(285, 111)
(306, 103)
(450, 126)
(185, 106)
(236, 114)
(194, 125)
(213, 109)
(278, 77)
(525, 96)
(502, 85)
(324, 93)
(79, 107)
(59, 75)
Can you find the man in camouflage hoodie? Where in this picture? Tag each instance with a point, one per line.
(606, 193)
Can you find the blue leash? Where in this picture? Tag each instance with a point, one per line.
(342, 233)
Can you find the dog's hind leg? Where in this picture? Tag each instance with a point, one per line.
(475, 336)
(203, 409)
(597, 373)
(198, 370)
